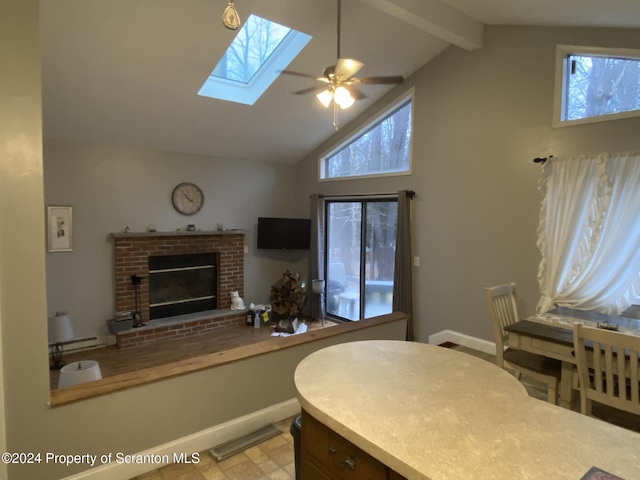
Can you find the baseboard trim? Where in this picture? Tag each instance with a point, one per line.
(462, 339)
(197, 442)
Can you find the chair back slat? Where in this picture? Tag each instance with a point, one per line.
(597, 366)
(608, 368)
(633, 373)
(621, 366)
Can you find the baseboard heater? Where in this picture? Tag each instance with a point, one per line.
(227, 449)
(78, 344)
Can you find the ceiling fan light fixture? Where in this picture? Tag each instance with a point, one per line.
(343, 97)
(342, 83)
(325, 97)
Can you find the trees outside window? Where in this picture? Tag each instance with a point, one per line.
(251, 48)
(598, 84)
(382, 148)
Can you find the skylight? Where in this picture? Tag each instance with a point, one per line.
(257, 54)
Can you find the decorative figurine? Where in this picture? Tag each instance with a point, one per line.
(236, 301)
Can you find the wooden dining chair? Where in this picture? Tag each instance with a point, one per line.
(503, 311)
(608, 370)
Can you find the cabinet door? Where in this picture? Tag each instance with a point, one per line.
(315, 438)
(329, 455)
(311, 471)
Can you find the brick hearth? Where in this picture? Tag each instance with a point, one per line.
(183, 326)
(131, 252)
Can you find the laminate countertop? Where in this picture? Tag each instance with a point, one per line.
(429, 412)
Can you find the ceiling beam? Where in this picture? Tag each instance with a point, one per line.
(435, 18)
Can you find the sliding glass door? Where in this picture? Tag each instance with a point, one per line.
(360, 254)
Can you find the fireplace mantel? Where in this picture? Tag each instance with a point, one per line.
(177, 233)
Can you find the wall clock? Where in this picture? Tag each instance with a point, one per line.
(187, 198)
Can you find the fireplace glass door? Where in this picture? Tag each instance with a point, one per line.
(180, 284)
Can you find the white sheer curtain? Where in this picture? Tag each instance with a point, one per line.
(589, 232)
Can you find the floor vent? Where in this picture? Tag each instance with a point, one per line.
(227, 449)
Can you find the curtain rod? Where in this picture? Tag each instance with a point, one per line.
(410, 194)
(541, 160)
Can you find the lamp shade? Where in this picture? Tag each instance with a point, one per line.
(79, 372)
(325, 97)
(343, 97)
(60, 328)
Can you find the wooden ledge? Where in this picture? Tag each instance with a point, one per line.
(177, 233)
(161, 372)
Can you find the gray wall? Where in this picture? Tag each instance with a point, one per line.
(480, 119)
(113, 187)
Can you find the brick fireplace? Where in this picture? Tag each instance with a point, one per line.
(131, 257)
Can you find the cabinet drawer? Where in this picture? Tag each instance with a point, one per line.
(349, 462)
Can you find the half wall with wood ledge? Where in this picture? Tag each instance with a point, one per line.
(257, 345)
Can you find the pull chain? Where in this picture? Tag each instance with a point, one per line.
(230, 17)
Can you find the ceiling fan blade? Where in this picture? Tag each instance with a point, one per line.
(389, 80)
(306, 75)
(355, 93)
(304, 91)
(298, 74)
(347, 67)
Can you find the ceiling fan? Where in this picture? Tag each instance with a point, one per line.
(338, 83)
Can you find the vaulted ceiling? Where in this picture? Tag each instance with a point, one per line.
(128, 72)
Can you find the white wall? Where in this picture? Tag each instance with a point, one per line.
(22, 285)
(480, 119)
(111, 187)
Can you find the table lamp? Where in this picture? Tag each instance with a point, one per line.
(60, 330)
(79, 372)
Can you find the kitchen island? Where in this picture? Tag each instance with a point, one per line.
(403, 409)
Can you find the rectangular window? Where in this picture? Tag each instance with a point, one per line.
(382, 147)
(596, 84)
(360, 257)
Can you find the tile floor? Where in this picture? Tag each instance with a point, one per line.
(274, 458)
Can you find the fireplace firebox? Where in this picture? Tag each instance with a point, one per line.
(180, 284)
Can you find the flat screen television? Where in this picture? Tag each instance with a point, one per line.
(284, 233)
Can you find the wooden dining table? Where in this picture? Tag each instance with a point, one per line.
(551, 334)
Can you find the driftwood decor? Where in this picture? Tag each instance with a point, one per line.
(288, 296)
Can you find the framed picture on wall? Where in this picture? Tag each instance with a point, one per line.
(59, 229)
